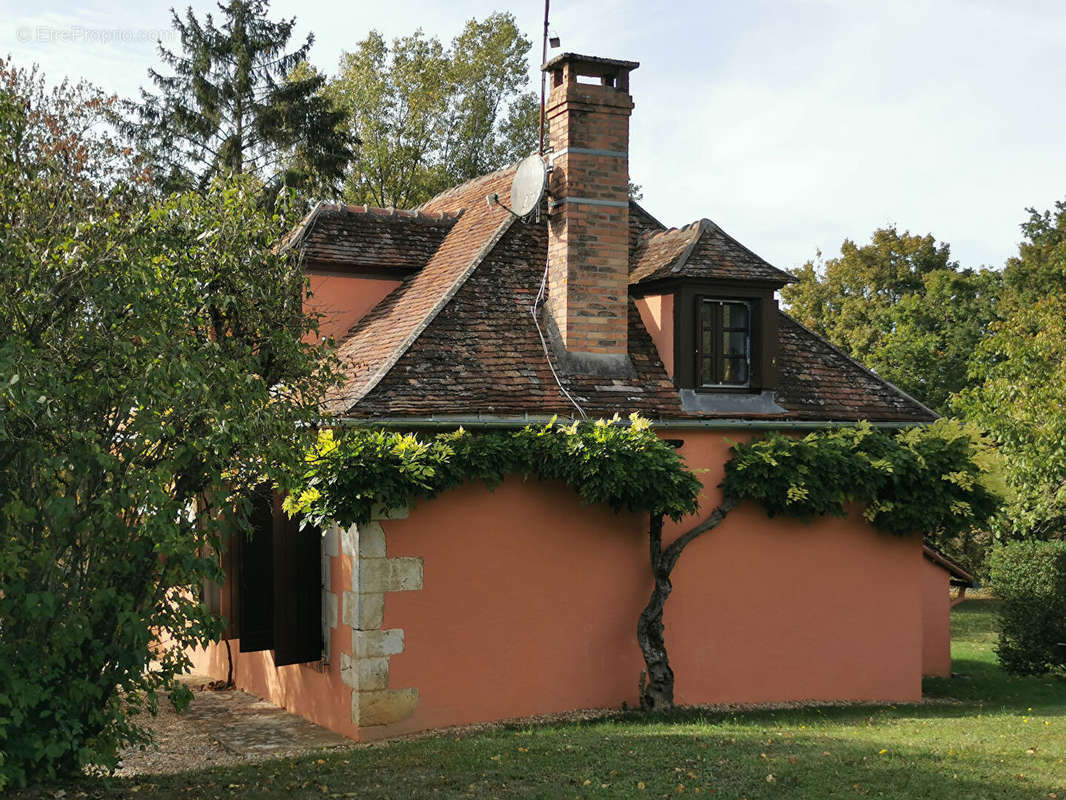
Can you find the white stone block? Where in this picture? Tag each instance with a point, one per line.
(384, 707)
(363, 612)
(371, 644)
(331, 541)
(371, 541)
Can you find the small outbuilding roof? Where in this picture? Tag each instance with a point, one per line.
(959, 576)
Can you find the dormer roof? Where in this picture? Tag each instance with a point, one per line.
(700, 250)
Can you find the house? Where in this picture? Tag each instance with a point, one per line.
(484, 605)
(940, 575)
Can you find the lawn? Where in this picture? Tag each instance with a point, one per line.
(1003, 738)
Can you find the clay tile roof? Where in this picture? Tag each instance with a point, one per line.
(699, 250)
(344, 236)
(820, 382)
(456, 337)
(482, 353)
(380, 338)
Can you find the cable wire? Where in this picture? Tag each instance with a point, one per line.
(544, 342)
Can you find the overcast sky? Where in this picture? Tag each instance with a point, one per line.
(791, 123)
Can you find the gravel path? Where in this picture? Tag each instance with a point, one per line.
(223, 727)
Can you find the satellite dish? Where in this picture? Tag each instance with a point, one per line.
(527, 188)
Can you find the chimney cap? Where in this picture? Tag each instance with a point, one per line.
(594, 64)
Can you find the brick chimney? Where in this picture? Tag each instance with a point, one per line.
(588, 221)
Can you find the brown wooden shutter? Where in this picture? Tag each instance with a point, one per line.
(297, 590)
(255, 555)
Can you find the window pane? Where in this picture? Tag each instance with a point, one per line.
(735, 343)
(734, 370)
(707, 345)
(734, 315)
(707, 371)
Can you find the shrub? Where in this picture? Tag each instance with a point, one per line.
(1030, 580)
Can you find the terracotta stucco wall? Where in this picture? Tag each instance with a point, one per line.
(343, 300)
(936, 620)
(657, 314)
(529, 601)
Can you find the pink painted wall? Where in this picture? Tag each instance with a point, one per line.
(936, 620)
(530, 604)
(657, 314)
(314, 691)
(343, 300)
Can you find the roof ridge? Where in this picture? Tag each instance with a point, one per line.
(858, 364)
(465, 185)
(694, 238)
(392, 212)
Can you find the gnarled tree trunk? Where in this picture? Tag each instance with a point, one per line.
(658, 693)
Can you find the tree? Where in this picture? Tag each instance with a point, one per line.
(927, 479)
(153, 364)
(237, 102)
(1020, 376)
(902, 307)
(430, 117)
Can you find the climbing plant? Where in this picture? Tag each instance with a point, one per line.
(625, 466)
(932, 480)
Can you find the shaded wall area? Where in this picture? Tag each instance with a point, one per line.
(314, 691)
(936, 620)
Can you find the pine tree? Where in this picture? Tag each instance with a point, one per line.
(238, 102)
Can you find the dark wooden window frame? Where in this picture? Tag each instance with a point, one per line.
(688, 295)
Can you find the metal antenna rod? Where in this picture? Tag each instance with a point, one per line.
(543, 77)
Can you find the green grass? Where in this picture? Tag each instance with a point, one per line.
(1005, 738)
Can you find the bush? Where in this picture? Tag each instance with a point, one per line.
(1030, 580)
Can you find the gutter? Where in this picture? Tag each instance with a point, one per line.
(484, 422)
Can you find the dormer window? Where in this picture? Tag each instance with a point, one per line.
(708, 303)
(723, 346)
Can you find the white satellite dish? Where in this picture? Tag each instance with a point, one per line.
(527, 188)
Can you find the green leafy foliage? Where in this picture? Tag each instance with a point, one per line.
(1029, 578)
(902, 307)
(1021, 379)
(624, 466)
(154, 361)
(430, 117)
(235, 100)
(931, 479)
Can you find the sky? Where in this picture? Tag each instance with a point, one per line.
(793, 124)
